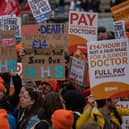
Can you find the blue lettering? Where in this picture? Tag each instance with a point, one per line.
(28, 71)
(59, 73)
(12, 65)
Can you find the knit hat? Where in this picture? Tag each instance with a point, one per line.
(2, 87)
(18, 47)
(53, 84)
(3, 119)
(62, 119)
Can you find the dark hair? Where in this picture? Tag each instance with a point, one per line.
(34, 95)
(51, 102)
(101, 103)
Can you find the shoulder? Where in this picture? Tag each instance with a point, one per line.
(42, 125)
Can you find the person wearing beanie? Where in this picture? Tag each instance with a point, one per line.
(62, 119)
(3, 119)
(47, 86)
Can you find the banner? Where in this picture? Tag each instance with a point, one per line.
(7, 51)
(119, 28)
(9, 22)
(77, 71)
(109, 68)
(82, 29)
(44, 36)
(121, 12)
(9, 7)
(125, 119)
(40, 9)
(47, 64)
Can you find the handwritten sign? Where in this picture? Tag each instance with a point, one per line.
(44, 36)
(7, 51)
(47, 64)
(77, 71)
(119, 28)
(82, 28)
(40, 9)
(109, 68)
(120, 12)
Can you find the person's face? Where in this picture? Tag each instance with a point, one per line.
(45, 88)
(114, 101)
(25, 99)
(102, 36)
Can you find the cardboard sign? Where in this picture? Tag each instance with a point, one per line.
(125, 119)
(121, 12)
(9, 22)
(109, 68)
(47, 64)
(78, 71)
(119, 28)
(7, 51)
(82, 28)
(44, 36)
(40, 9)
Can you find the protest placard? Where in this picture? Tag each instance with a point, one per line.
(44, 36)
(120, 12)
(40, 9)
(19, 69)
(7, 51)
(78, 72)
(47, 64)
(82, 28)
(109, 68)
(9, 22)
(125, 119)
(119, 28)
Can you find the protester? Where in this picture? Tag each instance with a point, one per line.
(74, 101)
(5, 117)
(62, 119)
(106, 114)
(29, 106)
(47, 86)
(51, 102)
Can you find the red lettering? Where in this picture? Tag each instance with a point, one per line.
(74, 17)
(91, 19)
(82, 20)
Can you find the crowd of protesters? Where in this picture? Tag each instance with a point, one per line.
(57, 104)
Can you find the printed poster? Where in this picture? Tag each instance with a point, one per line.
(9, 22)
(109, 68)
(82, 29)
(125, 119)
(119, 28)
(121, 12)
(40, 9)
